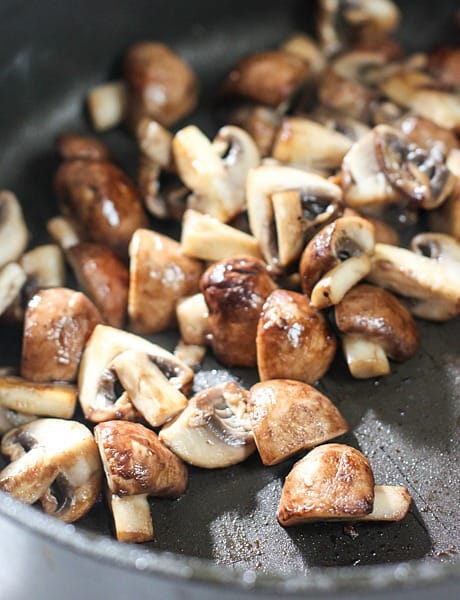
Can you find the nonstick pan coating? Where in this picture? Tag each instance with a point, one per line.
(51, 53)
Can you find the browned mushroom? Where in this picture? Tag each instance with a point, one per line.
(160, 84)
(136, 465)
(336, 121)
(290, 416)
(40, 399)
(73, 146)
(383, 232)
(44, 267)
(261, 122)
(307, 49)
(375, 325)
(294, 340)
(57, 323)
(235, 290)
(424, 133)
(444, 64)
(446, 219)
(160, 274)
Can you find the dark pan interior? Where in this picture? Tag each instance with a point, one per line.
(407, 424)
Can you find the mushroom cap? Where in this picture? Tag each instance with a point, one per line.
(72, 146)
(424, 133)
(136, 462)
(57, 324)
(290, 416)
(294, 340)
(444, 64)
(379, 316)
(332, 482)
(55, 462)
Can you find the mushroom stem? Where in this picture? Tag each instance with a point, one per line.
(107, 104)
(131, 517)
(331, 288)
(365, 358)
(42, 399)
(192, 317)
(391, 503)
(63, 232)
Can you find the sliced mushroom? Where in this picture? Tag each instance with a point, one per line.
(96, 380)
(63, 232)
(336, 121)
(104, 277)
(44, 267)
(261, 122)
(375, 325)
(192, 317)
(107, 104)
(307, 49)
(155, 142)
(12, 279)
(206, 238)
(159, 275)
(383, 232)
(13, 231)
(9, 419)
(213, 431)
(55, 462)
(42, 399)
(216, 173)
(333, 482)
(433, 286)
(336, 259)
(391, 503)
(424, 133)
(190, 354)
(294, 340)
(74, 146)
(136, 465)
(290, 416)
(286, 207)
(446, 219)
(235, 291)
(57, 323)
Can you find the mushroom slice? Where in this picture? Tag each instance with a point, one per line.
(63, 232)
(235, 290)
(13, 231)
(192, 317)
(206, 238)
(104, 277)
(96, 380)
(285, 206)
(44, 267)
(213, 431)
(425, 96)
(294, 340)
(107, 104)
(261, 122)
(12, 279)
(336, 259)
(159, 275)
(333, 482)
(57, 323)
(9, 419)
(424, 133)
(55, 462)
(136, 465)
(45, 400)
(215, 172)
(391, 503)
(336, 121)
(432, 285)
(303, 143)
(155, 142)
(376, 325)
(148, 388)
(190, 354)
(307, 49)
(290, 416)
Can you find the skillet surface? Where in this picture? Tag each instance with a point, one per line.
(406, 424)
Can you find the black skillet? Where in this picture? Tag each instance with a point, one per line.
(222, 538)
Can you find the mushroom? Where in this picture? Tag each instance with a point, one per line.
(190, 354)
(383, 232)
(103, 277)
(375, 326)
(206, 238)
(235, 291)
(107, 104)
(336, 121)
(333, 482)
(307, 49)
(57, 323)
(159, 275)
(294, 340)
(97, 377)
(261, 122)
(424, 133)
(192, 317)
(216, 173)
(286, 207)
(13, 231)
(54, 462)
(213, 431)
(305, 144)
(12, 279)
(44, 267)
(290, 416)
(9, 419)
(136, 465)
(42, 399)
(432, 285)
(63, 232)
(73, 146)
(444, 64)
(336, 259)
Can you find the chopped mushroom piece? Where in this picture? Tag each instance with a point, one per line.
(375, 325)
(63, 232)
(190, 354)
(333, 482)
(261, 122)
(446, 219)
(336, 121)
(235, 290)
(107, 104)
(294, 340)
(136, 465)
(159, 275)
(44, 267)
(444, 64)
(213, 431)
(54, 462)
(9, 419)
(307, 49)
(12, 279)
(424, 133)
(290, 416)
(192, 318)
(42, 399)
(97, 379)
(57, 323)
(73, 146)
(391, 503)
(13, 231)
(336, 259)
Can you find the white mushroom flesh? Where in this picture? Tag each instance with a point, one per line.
(44, 399)
(107, 104)
(12, 279)
(365, 358)
(131, 518)
(13, 231)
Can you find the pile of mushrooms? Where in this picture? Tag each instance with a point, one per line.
(284, 255)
